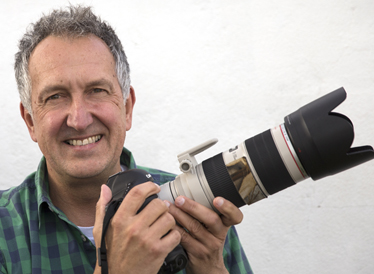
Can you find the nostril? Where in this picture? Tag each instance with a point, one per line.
(79, 117)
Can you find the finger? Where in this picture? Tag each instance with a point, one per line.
(156, 216)
(172, 239)
(105, 197)
(210, 219)
(231, 215)
(191, 244)
(165, 223)
(135, 199)
(196, 230)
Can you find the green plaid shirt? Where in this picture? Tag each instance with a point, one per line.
(36, 237)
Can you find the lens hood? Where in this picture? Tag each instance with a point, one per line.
(322, 139)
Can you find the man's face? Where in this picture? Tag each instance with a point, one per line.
(79, 116)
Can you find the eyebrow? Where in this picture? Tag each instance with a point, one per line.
(101, 82)
(55, 87)
(50, 89)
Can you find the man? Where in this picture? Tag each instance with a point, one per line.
(77, 103)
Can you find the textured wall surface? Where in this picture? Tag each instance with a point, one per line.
(232, 69)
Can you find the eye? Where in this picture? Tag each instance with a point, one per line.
(54, 97)
(98, 90)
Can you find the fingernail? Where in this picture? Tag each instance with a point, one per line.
(157, 185)
(179, 201)
(167, 203)
(219, 202)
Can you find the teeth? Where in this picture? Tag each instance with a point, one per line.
(84, 142)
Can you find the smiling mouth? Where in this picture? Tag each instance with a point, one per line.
(87, 141)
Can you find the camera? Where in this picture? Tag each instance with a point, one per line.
(312, 142)
(120, 184)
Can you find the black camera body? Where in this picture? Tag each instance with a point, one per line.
(120, 184)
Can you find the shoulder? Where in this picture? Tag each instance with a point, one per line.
(18, 205)
(159, 176)
(18, 194)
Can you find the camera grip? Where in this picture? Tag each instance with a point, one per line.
(120, 184)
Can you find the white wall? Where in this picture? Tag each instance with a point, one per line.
(232, 69)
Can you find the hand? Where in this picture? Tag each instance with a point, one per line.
(135, 242)
(205, 232)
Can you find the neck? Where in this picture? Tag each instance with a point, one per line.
(77, 198)
(78, 204)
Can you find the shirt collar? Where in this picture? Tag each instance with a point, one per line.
(42, 185)
(127, 159)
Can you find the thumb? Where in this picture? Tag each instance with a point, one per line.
(105, 197)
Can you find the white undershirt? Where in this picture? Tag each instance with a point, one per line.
(87, 231)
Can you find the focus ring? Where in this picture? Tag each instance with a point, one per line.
(220, 181)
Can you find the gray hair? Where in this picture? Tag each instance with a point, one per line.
(76, 21)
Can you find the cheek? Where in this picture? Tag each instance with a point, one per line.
(48, 125)
(112, 115)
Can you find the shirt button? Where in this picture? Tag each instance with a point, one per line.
(83, 238)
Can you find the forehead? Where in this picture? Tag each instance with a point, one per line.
(63, 56)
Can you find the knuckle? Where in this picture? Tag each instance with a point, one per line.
(239, 218)
(157, 207)
(156, 249)
(216, 245)
(184, 235)
(169, 221)
(177, 237)
(212, 219)
(233, 216)
(153, 249)
(157, 203)
(134, 232)
(116, 222)
(137, 192)
(143, 241)
(195, 227)
(236, 218)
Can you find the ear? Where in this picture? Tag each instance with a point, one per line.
(130, 101)
(26, 116)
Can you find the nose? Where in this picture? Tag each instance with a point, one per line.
(79, 116)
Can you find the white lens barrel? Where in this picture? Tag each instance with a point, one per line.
(166, 193)
(288, 154)
(192, 185)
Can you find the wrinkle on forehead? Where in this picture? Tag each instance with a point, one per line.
(53, 60)
(58, 43)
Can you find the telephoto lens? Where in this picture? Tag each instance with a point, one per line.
(312, 142)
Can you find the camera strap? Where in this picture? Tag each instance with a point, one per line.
(102, 251)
